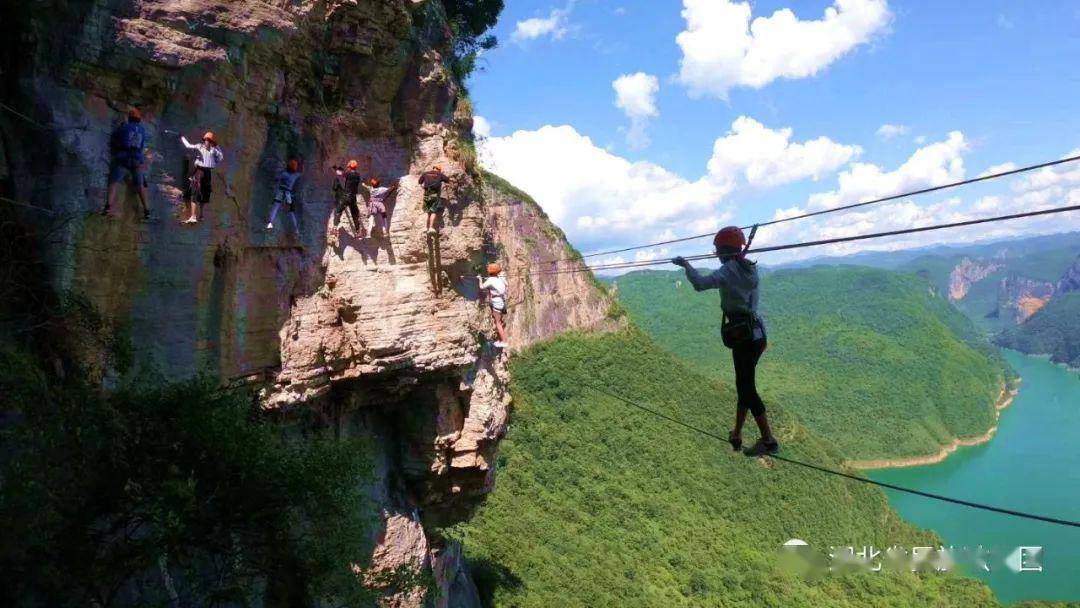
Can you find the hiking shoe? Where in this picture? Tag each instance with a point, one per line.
(105, 211)
(762, 448)
(270, 226)
(500, 344)
(735, 441)
(146, 214)
(431, 231)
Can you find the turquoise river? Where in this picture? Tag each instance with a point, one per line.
(1032, 465)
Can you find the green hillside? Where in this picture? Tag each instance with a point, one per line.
(867, 359)
(598, 504)
(1054, 331)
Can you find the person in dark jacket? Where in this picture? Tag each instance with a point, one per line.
(743, 329)
(432, 182)
(127, 150)
(347, 191)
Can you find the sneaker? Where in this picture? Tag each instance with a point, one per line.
(735, 441)
(500, 344)
(191, 220)
(146, 214)
(105, 211)
(270, 226)
(762, 448)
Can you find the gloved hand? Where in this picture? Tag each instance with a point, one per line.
(679, 261)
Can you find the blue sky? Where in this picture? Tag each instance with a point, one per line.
(965, 85)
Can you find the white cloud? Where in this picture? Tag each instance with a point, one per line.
(722, 48)
(931, 165)
(481, 127)
(1050, 187)
(603, 200)
(887, 131)
(599, 197)
(1004, 22)
(555, 26)
(635, 95)
(766, 157)
(1002, 168)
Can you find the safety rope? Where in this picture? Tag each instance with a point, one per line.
(817, 243)
(893, 197)
(828, 471)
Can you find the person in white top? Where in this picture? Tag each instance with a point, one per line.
(496, 287)
(209, 157)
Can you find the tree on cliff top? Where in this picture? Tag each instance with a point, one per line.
(470, 20)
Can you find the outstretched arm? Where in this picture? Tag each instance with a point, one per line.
(699, 281)
(187, 144)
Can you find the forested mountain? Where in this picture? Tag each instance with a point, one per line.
(1055, 329)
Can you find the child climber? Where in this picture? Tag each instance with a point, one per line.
(209, 157)
(378, 195)
(432, 182)
(742, 329)
(496, 288)
(283, 186)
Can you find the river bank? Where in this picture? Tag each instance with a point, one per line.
(1004, 400)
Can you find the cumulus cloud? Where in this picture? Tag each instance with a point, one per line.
(481, 127)
(596, 196)
(767, 157)
(602, 199)
(1050, 187)
(887, 131)
(723, 48)
(554, 26)
(1002, 168)
(635, 95)
(931, 165)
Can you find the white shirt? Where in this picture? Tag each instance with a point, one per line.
(209, 157)
(496, 288)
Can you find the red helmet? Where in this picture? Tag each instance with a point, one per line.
(730, 236)
(494, 269)
(292, 166)
(352, 164)
(375, 181)
(209, 135)
(134, 115)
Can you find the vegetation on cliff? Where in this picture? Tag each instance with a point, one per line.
(111, 495)
(867, 359)
(599, 504)
(1054, 331)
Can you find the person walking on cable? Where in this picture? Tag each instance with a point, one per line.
(283, 187)
(378, 195)
(209, 157)
(742, 329)
(495, 286)
(127, 147)
(432, 182)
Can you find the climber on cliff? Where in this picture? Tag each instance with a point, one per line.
(351, 180)
(209, 157)
(742, 329)
(127, 146)
(432, 182)
(496, 287)
(283, 193)
(378, 195)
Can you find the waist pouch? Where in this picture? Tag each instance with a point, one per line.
(738, 330)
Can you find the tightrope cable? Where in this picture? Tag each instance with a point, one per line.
(832, 241)
(828, 471)
(892, 197)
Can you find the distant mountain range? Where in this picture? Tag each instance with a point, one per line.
(1025, 293)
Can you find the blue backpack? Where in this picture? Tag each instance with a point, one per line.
(128, 141)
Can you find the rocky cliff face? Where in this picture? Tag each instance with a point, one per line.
(1021, 297)
(966, 273)
(1070, 281)
(381, 336)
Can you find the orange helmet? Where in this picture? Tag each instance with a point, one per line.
(134, 115)
(352, 164)
(494, 269)
(437, 168)
(292, 166)
(375, 180)
(209, 135)
(730, 236)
